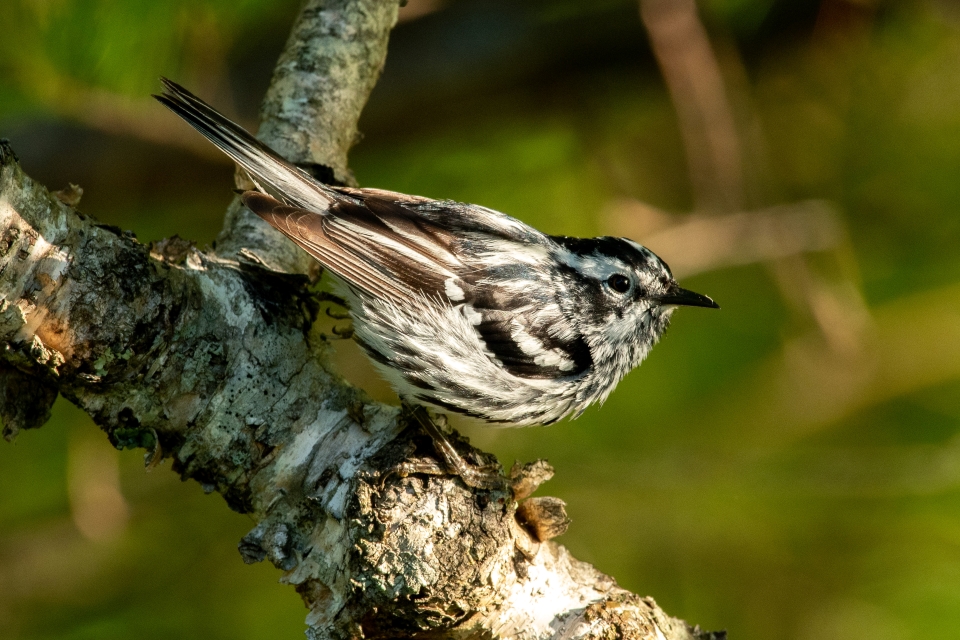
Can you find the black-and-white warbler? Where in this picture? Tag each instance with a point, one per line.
(459, 306)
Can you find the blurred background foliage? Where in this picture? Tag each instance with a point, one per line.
(788, 467)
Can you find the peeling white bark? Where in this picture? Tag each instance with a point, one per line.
(212, 360)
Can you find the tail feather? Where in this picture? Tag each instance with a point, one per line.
(271, 173)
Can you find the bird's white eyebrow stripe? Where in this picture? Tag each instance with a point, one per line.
(598, 267)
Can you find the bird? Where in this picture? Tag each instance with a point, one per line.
(462, 308)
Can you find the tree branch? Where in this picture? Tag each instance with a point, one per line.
(213, 361)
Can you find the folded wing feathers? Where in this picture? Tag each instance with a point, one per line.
(376, 260)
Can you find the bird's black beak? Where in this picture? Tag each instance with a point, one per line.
(678, 296)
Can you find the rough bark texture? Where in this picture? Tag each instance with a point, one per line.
(213, 361)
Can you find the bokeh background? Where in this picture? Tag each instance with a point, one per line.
(788, 467)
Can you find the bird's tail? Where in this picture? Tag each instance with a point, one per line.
(271, 173)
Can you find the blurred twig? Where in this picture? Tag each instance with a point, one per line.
(777, 236)
(138, 118)
(416, 9)
(97, 505)
(912, 343)
(697, 243)
(117, 114)
(834, 302)
(692, 73)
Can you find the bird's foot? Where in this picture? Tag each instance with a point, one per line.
(343, 334)
(450, 462)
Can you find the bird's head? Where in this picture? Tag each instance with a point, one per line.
(625, 297)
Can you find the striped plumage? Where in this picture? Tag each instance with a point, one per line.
(459, 306)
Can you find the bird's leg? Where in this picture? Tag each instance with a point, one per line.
(343, 334)
(326, 296)
(451, 462)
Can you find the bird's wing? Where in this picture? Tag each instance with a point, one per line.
(374, 245)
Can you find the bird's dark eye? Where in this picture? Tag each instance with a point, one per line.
(619, 283)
